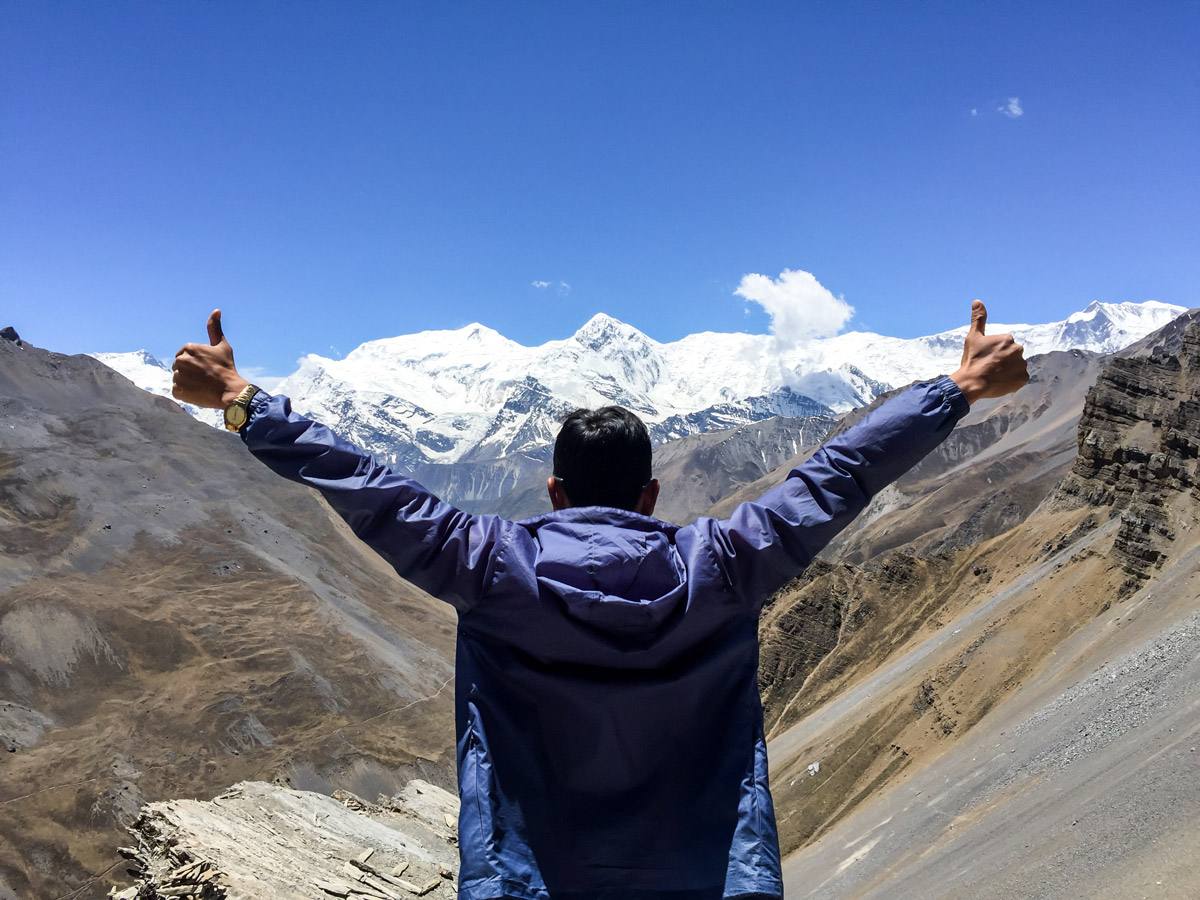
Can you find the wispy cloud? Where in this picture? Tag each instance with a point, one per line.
(1011, 108)
(562, 288)
(799, 306)
(260, 376)
(974, 112)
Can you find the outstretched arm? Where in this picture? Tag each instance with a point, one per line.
(766, 543)
(439, 548)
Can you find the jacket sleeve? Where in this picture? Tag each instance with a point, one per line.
(447, 552)
(766, 543)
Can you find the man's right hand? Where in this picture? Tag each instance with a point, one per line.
(204, 373)
(992, 365)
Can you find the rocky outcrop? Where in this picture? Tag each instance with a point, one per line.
(258, 841)
(698, 470)
(1139, 443)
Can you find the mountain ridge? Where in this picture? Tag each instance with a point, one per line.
(470, 395)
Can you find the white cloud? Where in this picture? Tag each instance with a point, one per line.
(1011, 108)
(974, 112)
(799, 306)
(562, 288)
(259, 375)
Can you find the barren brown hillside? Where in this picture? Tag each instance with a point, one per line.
(175, 619)
(945, 718)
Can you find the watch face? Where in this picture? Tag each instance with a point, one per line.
(235, 417)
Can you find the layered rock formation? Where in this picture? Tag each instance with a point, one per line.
(1139, 439)
(257, 841)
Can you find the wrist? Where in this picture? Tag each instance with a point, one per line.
(971, 386)
(232, 389)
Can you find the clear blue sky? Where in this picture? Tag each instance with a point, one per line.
(329, 173)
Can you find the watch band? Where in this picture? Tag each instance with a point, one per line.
(237, 413)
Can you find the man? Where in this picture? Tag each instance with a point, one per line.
(609, 733)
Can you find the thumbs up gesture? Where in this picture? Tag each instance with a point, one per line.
(204, 374)
(992, 365)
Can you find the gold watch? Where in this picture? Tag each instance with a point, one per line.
(237, 412)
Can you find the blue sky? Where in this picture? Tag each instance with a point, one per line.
(329, 173)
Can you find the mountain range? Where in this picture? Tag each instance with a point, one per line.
(989, 686)
(471, 413)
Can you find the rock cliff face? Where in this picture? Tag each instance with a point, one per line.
(1139, 439)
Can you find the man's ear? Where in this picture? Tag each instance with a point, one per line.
(645, 504)
(558, 497)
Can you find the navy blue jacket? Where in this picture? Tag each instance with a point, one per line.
(610, 736)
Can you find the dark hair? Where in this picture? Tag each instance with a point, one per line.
(602, 457)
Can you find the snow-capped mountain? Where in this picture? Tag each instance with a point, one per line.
(474, 399)
(471, 394)
(153, 375)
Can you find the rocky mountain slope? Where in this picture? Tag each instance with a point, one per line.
(990, 473)
(153, 375)
(1013, 712)
(173, 619)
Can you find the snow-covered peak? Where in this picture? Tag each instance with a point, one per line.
(151, 374)
(134, 361)
(472, 395)
(477, 340)
(602, 331)
(1100, 327)
(1127, 312)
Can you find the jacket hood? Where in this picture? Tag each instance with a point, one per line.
(615, 570)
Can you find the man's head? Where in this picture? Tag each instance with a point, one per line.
(602, 458)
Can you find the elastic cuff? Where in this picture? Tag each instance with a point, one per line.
(953, 395)
(256, 408)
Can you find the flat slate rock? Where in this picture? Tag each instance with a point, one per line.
(257, 841)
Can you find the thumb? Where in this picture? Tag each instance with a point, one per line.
(978, 318)
(215, 334)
